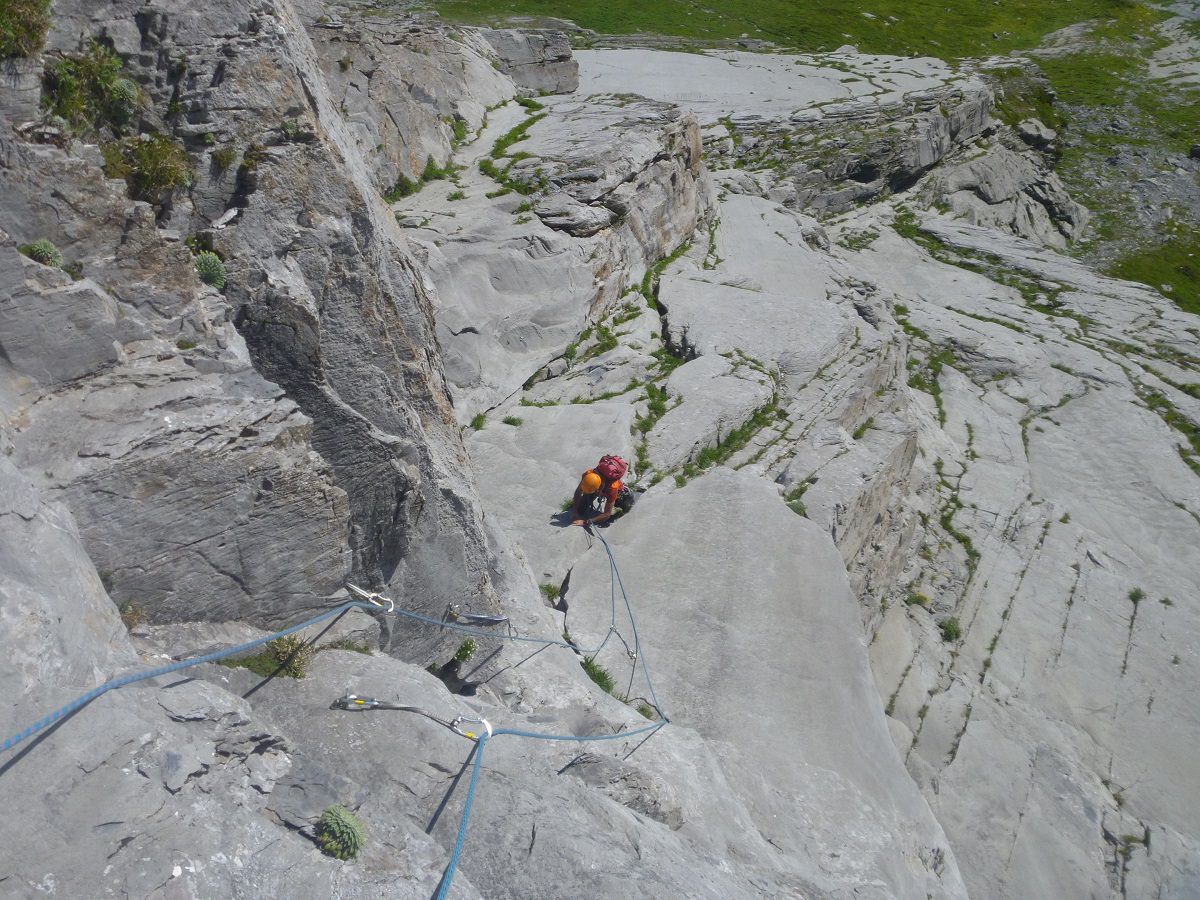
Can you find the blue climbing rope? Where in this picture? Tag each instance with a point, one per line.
(122, 681)
(452, 865)
(481, 739)
(648, 730)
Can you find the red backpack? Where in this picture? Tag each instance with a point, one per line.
(611, 468)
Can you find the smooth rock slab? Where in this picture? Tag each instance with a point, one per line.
(527, 472)
(716, 398)
(748, 626)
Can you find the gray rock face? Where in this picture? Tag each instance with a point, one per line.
(527, 473)
(915, 543)
(400, 86)
(332, 307)
(42, 555)
(539, 61)
(22, 81)
(820, 777)
(766, 298)
(563, 212)
(715, 396)
(1011, 191)
(624, 188)
(130, 396)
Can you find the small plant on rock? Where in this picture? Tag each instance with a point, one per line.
(89, 92)
(153, 165)
(512, 420)
(951, 630)
(210, 269)
(43, 251)
(479, 421)
(130, 615)
(549, 591)
(288, 656)
(1136, 596)
(600, 675)
(224, 158)
(465, 650)
(340, 833)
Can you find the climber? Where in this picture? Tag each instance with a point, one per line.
(602, 483)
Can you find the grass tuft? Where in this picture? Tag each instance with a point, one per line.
(600, 675)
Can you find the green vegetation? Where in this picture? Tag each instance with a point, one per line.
(405, 186)
(598, 674)
(254, 155)
(530, 104)
(863, 428)
(23, 27)
(287, 656)
(130, 615)
(858, 240)
(43, 250)
(1172, 267)
(951, 630)
(224, 158)
(517, 133)
(89, 92)
(479, 421)
(793, 498)
(916, 600)
(550, 591)
(1107, 107)
(434, 172)
(734, 441)
(649, 286)
(1136, 596)
(656, 408)
(465, 650)
(186, 344)
(1178, 421)
(456, 195)
(647, 711)
(1024, 95)
(339, 833)
(945, 28)
(210, 269)
(512, 420)
(153, 165)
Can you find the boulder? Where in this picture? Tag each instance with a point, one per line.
(538, 61)
(1036, 134)
(563, 212)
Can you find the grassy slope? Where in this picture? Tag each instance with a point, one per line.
(1110, 79)
(947, 28)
